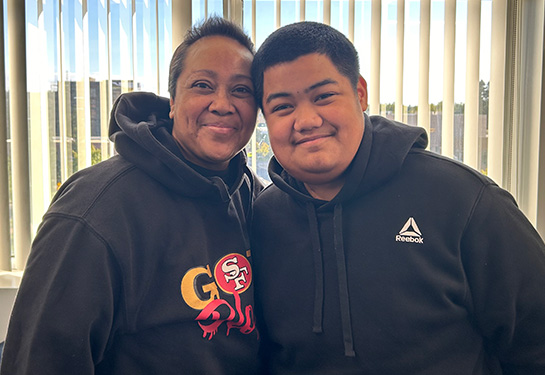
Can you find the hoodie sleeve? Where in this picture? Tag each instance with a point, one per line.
(63, 313)
(504, 259)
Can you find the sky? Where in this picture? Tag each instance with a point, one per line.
(122, 54)
(44, 32)
(265, 24)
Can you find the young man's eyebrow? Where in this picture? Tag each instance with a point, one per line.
(326, 81)
(277, 95)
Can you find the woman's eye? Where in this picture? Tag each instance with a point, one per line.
(201, 85)
(244, 90)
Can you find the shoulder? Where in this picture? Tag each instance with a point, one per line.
(443, 170)
(270, 195)
(274, 205)
(104, 183)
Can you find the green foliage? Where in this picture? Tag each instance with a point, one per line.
(263, 151)
(459, 108)
(483, 97)
(96, 155)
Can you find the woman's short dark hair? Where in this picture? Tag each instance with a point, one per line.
(211, 27)
(302, 38)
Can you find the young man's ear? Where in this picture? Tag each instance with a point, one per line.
(362, 93)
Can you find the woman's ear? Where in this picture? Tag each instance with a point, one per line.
(171, 113)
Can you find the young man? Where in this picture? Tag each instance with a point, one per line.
(373, 255)
(141, 264)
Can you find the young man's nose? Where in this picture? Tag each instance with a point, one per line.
(306, 118)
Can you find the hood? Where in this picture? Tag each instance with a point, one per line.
(383, 149)
(141, 128)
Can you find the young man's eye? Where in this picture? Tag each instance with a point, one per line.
(324, 96)
(280, 107)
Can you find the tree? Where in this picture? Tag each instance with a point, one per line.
(96, 155)
(483, 97)
(459, 108)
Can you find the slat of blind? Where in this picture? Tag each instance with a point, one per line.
(327, 12)
(447, 126)
(351, 19)
(134, 44)
(19, 131)
(61, 93)
(5, 242)
(302, 7)
(40, 135)
(374, 79)
(158, 46)
(39, 132)
(424, 67)
(181, 20)
(84, 125)
(254, 140)
(253, 20)
(496, 113)
(278, 15)
(400, 43)
(471, 114)
(109, 38)
(540, 216)
(527, 106)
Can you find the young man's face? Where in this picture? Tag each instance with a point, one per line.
(214, 110)
(315, 117)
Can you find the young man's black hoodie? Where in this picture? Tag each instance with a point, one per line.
(419, 265)
(141, 264)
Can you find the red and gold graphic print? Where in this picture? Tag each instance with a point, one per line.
(202, 288)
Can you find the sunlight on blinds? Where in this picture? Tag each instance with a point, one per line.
(468, 71)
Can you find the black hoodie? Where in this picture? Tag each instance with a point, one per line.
(419, 265)
(141, 265)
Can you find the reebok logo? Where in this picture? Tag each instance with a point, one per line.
(410, 232)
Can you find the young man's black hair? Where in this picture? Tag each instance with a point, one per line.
(298, 39)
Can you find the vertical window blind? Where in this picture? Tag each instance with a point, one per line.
(458, 68)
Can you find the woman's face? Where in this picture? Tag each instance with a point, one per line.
(214, 111)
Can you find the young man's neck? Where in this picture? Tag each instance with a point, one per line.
(325, 192)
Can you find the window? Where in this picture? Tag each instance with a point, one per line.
(469, 71)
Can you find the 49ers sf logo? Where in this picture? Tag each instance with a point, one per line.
(233, 274)
(201, 290)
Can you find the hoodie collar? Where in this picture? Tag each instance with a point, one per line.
(141, 128)
(382, 151)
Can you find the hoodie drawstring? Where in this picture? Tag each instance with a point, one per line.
(343, 282)
(344, 299)
(318, 269)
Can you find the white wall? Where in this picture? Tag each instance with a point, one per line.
(8, 289)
